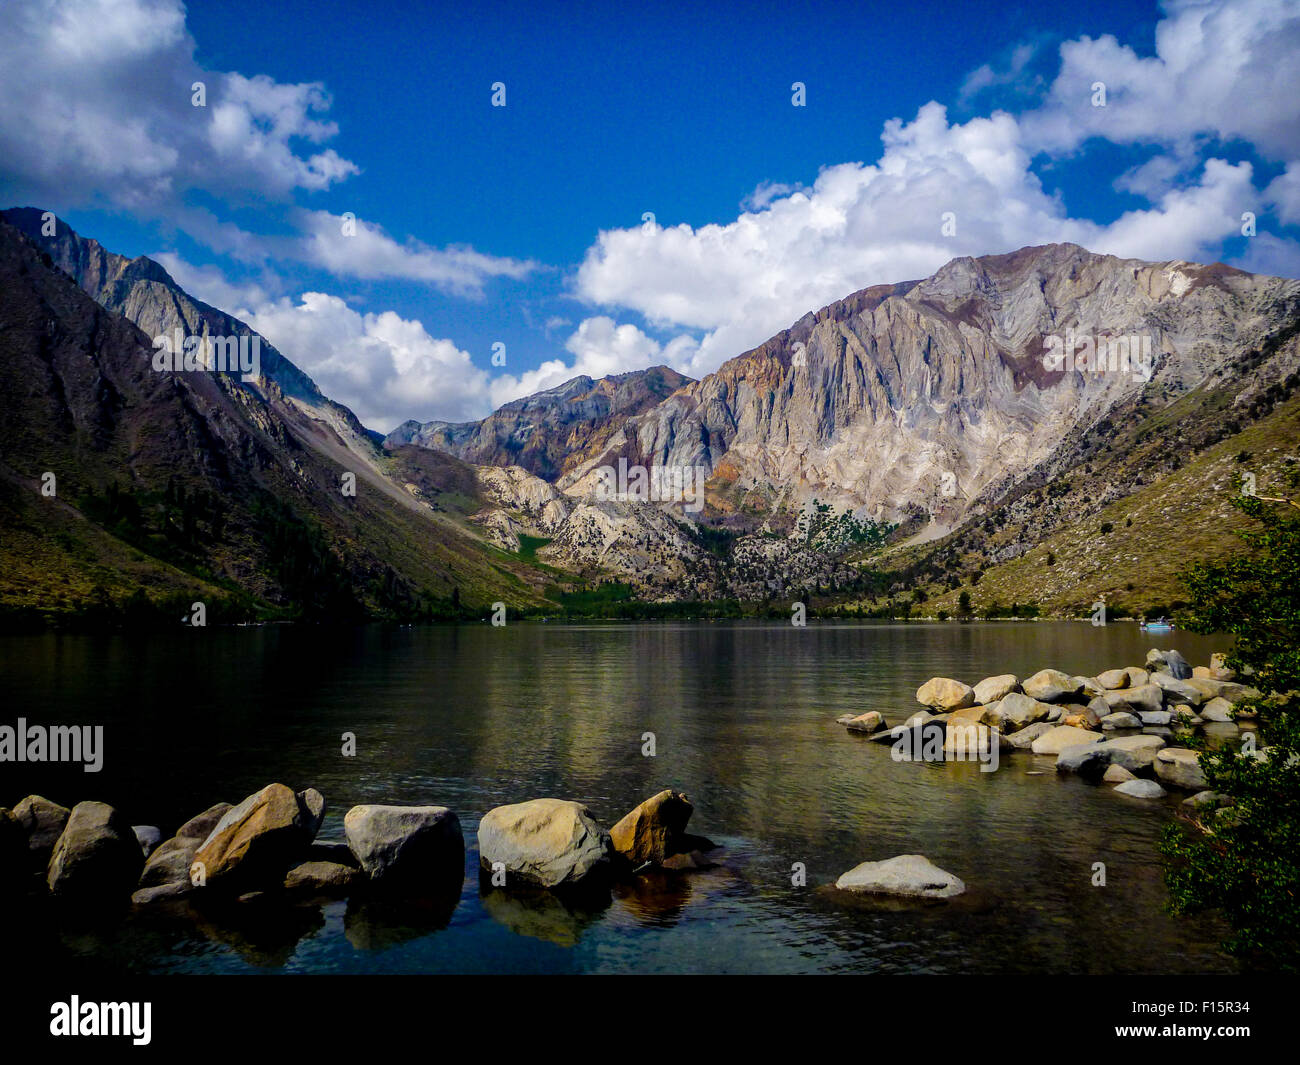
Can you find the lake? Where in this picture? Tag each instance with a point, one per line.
(743, 717)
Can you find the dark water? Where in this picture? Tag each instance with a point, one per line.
(744, 720)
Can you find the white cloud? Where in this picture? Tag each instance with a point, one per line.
(370, 254)
(385, 367)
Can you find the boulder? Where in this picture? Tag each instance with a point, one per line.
(1117, 774)
(943, 693)
(1120, 719)
(654, 830)
(97, 855)
(1156, 717)
(313, 806)
(169, 866)
(1223, 689)
(969, 741)
(871, 721)
(1141, 789)
(1134, 753)
(1089, 687)
(323, 879)
(1170, 662)
(254, 843)
(1136, 677)
(1219, 668)
(1051, 686)
(1062, 737)
(43, 821)
(1113, 679)
(991, 689)
(1180, 767)
(332, 850)
(1201, 673)
(408, 847)
(908, 875)
(918, 718)
(1023, 739)
(1182, 691)
(1016, 710)
(1207, 798)
(149, 836)
(201, 825)
(554, 843)
(1217, 709)
(1137, 698)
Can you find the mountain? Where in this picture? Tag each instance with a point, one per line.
(542, 433)
(933, 408)
(173, 486)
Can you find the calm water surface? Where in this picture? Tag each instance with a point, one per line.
(744, 719)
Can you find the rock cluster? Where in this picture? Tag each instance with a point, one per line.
(266, 846)
(1120, 726)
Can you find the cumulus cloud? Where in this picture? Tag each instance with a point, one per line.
(385, 367)
(356, 248)
(98, 110)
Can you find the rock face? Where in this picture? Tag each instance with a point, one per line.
(255, 842)
(96, 857)
(406, 846)
(944, 694)
(992, 689)
(553, 843)
(1180, 767)
(43, 822)
(1051, 685)
(908, 875)
(655, 830)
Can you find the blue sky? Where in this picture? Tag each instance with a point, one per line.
(522, 224)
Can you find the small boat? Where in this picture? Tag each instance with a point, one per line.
(1161, 625)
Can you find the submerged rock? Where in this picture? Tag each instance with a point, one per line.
(908, 875)
(1141, 789)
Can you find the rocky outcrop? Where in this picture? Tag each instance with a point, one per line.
(551, 843)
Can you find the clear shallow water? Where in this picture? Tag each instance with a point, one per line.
(744, 719)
